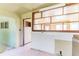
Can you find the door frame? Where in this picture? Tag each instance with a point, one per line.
(23, 30)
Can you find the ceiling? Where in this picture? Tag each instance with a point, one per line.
(20, 8)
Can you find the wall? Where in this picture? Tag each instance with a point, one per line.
(10, 36)
(43, 42)
(27, 15)
(46, 40)
(23, 16)
(64, 46)
(75, 47)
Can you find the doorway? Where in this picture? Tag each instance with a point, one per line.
(26, 31)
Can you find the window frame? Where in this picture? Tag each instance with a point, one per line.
(51, 21)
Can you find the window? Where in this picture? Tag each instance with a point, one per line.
(37, 15)
(73, 17)
(42, 27)
(59, 26)
(47, 27)
(46, 20)
(74, 26)
(64, 19)
(37, 27)
(59, 18)
(6, 25)
(46, 13)
(53, 12)
(37, 21)
(66, 26)
(57, 11)
(52, 26)
(2, 25)
(71, 9)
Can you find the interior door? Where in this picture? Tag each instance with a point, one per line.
(27, 32)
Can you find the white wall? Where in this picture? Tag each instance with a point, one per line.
(75, 47)
(64, 46)
(43, 42)
(46, 40)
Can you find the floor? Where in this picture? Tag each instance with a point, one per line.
(25, 51)
(4, 47)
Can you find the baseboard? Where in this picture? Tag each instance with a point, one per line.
(43, 51)
(27, 43)
(8, 45)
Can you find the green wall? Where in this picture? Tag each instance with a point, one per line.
(9, 38)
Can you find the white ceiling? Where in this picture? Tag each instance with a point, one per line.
(21, 8)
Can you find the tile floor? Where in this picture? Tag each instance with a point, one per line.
(24, 51)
